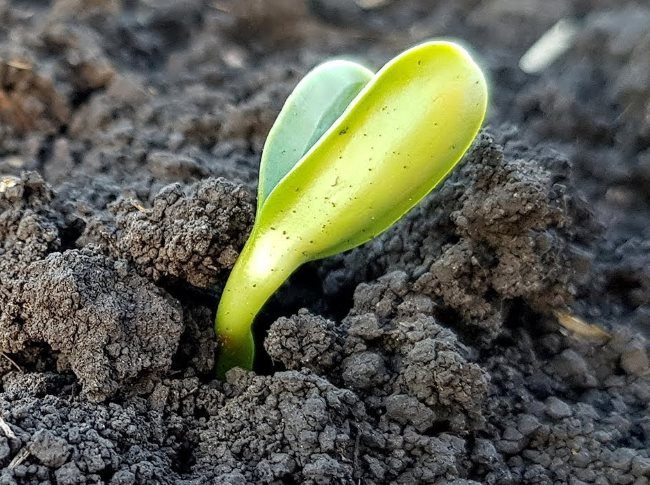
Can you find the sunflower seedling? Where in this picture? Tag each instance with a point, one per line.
(349, 155)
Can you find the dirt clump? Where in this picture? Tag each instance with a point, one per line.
(103, 322)
(191, 235)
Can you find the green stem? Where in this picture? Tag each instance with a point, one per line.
(265, 263)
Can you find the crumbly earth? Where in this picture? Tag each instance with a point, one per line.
(130, 134)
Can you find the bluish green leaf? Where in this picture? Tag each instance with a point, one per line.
(316, 102)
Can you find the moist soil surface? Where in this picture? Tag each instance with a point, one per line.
(497, 334)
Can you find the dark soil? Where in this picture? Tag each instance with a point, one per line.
(130, 134)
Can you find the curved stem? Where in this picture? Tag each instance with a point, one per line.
(264, 264)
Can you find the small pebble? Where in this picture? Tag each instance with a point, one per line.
(556, 408)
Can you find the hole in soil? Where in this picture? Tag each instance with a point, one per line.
(45, 151)
(70, 234)
(438, 427)
(636, 435)
(470, 334)
(622, 284)
(106, 474)
(36, 357)
(184, 458)
(519, 315)
(203, 305)
(201, 413)
(81, 97)
(476, 470)
(289, 480)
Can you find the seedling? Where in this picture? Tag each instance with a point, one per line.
(314, 105)
(324, 190)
